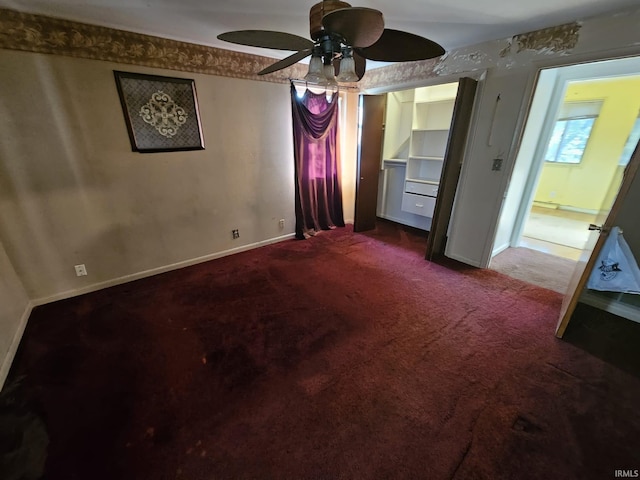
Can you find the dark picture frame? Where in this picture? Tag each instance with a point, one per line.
(161, 113)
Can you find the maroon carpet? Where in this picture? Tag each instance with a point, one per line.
(345, 356)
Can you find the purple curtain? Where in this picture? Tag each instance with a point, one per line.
(318, 200)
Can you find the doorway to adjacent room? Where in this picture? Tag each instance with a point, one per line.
(582, 127)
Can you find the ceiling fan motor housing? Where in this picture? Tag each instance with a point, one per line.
(318, 11)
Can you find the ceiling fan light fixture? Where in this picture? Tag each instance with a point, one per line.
(329, 74)
(316, 71)
(347, 68)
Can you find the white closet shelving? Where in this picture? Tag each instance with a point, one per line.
(415, 140)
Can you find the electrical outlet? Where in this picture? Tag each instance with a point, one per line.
(81, 270)
(281, 223)
(235, 233)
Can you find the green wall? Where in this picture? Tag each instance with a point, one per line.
(587, 185)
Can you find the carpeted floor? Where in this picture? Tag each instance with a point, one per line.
(345, 356)
(542, 269)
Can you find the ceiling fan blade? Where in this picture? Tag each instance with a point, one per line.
(360, 27)
(361, 64)
(285, 62)
(398, 46)
(267, 39)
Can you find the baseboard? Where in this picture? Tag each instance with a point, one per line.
(549, 206)
(579, 210)
(566, 208)
(15, 342)
(156, 271)
(13, 348)
(610, 305)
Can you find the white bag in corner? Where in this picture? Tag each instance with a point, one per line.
(616, 269)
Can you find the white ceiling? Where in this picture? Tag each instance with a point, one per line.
(452, 23)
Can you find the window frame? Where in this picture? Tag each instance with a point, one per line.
(570, 112)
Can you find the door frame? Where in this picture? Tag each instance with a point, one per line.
(368, 161)
(432, 81)
(453, 158)
(584, 71)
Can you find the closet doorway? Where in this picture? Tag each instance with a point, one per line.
(411, 145)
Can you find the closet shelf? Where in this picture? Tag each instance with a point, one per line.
(396, 161)
(430, 130)
(416, 135)
(423, 180)
(424, 157)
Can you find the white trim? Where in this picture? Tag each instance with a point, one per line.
(580, 210)
(13, 348)
(567, 208)
(512, 155)
(157, 271)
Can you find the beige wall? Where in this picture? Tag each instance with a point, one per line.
(14, 308)
(500, 115)
(349, 146)
(72, 191)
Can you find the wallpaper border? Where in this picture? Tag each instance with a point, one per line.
(43, 34)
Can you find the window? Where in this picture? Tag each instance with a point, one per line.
(571, 132)
(630, 146)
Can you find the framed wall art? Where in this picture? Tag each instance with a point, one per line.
(161, 113)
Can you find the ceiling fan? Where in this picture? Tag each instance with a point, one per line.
(340, 34)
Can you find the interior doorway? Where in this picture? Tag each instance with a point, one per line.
(582, 124)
